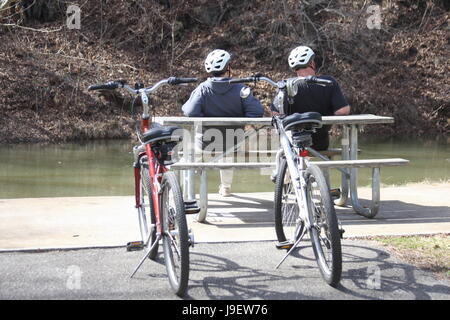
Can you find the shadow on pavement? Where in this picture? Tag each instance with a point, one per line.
(368, 273)
(391, 212)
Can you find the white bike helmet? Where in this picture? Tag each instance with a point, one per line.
(300, 57)
(217, 60)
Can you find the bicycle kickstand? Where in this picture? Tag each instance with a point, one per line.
(292, 249)
(158, 237)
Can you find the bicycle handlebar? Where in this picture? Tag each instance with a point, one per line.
(314, 79)
(244, 80)
(256, 78)
(112, 85)
(174, 80)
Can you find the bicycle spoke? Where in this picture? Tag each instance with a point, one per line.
(325, 242)
(290, 214)
(173, 242)
(319, 226)
(322, 226)
(171, 225)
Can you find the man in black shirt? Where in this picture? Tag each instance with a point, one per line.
(326, 100)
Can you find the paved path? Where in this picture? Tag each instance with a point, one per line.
(112, 221)
(219, 271)
(234, 257)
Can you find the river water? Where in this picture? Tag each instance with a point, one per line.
(103, 168)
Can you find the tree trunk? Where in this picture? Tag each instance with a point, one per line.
(40, 10)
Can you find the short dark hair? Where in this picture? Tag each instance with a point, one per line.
(304, 67)
(218, 73)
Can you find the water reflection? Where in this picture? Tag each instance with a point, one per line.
(89, 169)
(103, 168)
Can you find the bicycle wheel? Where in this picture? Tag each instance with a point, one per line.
(288, 226)
(324, 233)
(147, 216)
(175, 234)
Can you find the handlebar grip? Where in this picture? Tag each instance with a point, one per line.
(313, 79)
(106, 86)
(242, 80)
(174, 80)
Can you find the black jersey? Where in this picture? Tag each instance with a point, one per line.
(325, 100)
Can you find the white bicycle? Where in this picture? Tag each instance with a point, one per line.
(303, 203)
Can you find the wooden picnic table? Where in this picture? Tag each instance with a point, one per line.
(349, 152)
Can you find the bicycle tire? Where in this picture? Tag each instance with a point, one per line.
(174, 225)
(323, 219)
(147, 212)
(286, 211)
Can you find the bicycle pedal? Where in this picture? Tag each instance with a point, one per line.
(285, 245)
(135, 245)
(341, 232)
(192, 210)
(190, 207)
(335, 193)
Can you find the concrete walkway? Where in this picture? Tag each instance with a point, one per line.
(45, 223)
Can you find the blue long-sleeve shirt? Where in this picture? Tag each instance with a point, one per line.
(216, 97)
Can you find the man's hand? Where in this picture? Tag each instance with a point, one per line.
(344, 111)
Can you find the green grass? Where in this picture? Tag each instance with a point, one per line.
(426, 252)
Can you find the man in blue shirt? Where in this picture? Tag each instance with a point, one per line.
(216, 97)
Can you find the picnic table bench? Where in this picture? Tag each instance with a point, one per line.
(348, 165)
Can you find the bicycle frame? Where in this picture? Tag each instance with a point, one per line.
(155, 168)
(297, 164)
(155, 172)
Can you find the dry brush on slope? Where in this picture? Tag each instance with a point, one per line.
(400, 69)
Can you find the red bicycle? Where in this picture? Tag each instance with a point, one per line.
(158, 196)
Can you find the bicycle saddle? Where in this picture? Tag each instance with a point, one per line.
(160, 133)
(307, 120)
